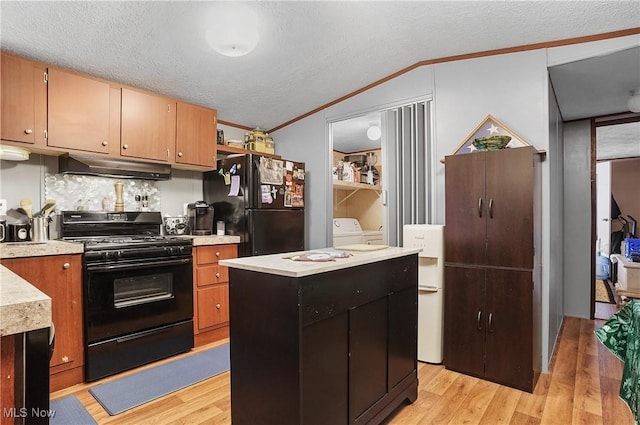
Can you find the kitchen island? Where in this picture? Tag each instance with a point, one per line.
(323, 342)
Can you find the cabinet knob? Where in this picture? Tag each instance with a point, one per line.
(217, 274)
(65, 359)
(66, 266)
(28, 131)
(125, 146)
(217, 253)
(180, 154)
(218, 306)
(105, 143)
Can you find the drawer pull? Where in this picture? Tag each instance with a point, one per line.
(105, 143)
(218, 306)
(217, 274)
(66, 266)
(65, 359)
(217, 253)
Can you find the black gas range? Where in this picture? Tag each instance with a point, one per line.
(137, 287)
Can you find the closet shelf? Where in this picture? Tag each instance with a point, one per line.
(354, 187)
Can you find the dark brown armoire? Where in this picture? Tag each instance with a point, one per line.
(492, 266)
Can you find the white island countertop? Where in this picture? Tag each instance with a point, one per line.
(283, 265)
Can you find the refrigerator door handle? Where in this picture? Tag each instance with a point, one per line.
(427, 288)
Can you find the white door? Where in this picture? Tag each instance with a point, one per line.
(603, 206)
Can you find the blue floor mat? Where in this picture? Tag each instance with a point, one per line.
(134, 390)
(69, 410)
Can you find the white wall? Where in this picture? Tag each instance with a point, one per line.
(308, 140)
(577, 219)
(23, 179)
(514, 89)
(553, 311)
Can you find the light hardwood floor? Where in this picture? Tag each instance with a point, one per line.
(581, 389)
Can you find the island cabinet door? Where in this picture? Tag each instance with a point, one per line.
(367, 356)
(325, 371)
(403, 339)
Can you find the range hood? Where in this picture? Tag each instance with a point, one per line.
(107, 167)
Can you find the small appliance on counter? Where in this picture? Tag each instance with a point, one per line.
(200, 218)
(176, 225)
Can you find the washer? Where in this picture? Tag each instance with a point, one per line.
(346, 231)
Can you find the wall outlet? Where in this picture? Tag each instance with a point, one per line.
(3, 207)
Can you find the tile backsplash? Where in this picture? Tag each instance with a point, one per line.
(90, 193)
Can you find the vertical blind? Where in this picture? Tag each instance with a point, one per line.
(409, 156)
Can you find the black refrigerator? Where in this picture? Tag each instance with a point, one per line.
(261, 200)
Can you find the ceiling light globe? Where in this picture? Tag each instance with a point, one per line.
(235, 31)
(374, 132)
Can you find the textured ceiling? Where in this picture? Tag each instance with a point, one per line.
(310, 53)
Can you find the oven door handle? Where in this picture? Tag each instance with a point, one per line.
(104, 268)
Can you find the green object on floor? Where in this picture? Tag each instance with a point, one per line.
(621, 335)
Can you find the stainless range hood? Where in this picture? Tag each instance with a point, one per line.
(107, 167)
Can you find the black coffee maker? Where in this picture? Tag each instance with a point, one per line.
(200, 218)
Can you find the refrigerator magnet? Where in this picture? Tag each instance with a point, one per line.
(289, 166)
(287, 199)
(266, 194)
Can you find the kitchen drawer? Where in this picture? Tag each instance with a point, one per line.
(213, 306)
(213, 253)
(211, 274)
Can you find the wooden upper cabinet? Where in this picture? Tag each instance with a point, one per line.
(195, 135)
(148, 126)
(78, 112)
(24, 100)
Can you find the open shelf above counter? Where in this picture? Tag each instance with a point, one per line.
(226, 149)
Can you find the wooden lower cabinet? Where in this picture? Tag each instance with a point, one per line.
(488, 325)
(60, 277)
(211, 292)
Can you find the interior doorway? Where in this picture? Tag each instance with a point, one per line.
(616, 160)
(393, 186)
(357, 155)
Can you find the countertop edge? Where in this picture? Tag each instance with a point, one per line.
(23, 307)
(39, 249)
(278, 264)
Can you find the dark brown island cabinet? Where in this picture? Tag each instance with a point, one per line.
(323, 343)
(492, 287)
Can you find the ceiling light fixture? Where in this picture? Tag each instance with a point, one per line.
(234, 31)
(634, 101)
(374, 132)
(12, 153)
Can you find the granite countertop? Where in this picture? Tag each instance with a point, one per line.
(37, 249)
(283, 265)
(212, 239)
(23, 307)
